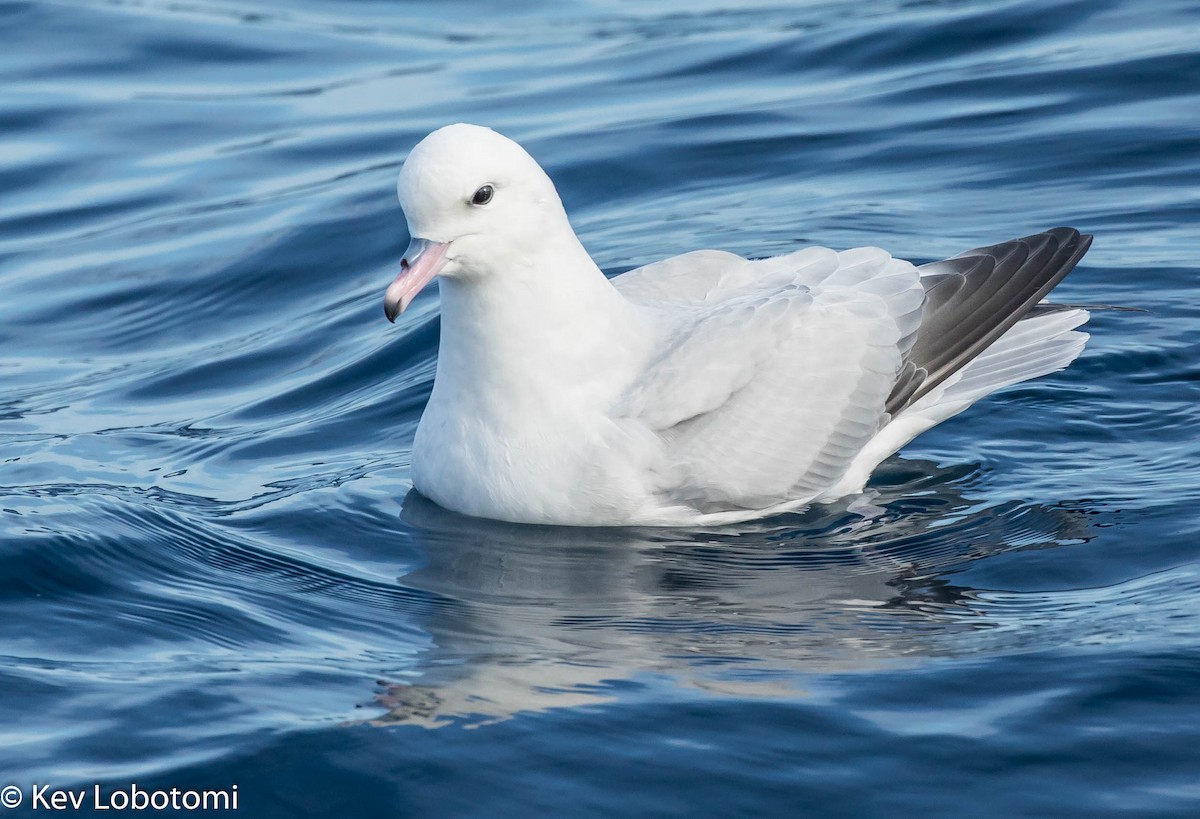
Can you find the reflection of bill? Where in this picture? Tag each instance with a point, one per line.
(528, 618)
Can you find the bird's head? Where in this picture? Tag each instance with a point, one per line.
(476, 203)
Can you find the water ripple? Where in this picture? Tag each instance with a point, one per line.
(211, 564)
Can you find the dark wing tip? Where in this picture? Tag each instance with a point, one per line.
(975, 297)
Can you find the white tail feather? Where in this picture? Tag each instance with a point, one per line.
(1034, 347)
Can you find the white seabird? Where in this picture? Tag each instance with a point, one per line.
(701, 389)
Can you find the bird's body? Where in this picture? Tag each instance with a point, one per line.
(705, 388)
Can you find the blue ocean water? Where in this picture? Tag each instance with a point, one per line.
(212, 576)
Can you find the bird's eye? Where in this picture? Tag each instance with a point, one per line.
(483, 195)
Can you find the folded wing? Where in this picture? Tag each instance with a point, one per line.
(767, 394)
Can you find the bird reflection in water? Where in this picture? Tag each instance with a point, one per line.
(530, 618)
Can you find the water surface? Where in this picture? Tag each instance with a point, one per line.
(212, 574)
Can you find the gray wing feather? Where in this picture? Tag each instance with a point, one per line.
(974, 298)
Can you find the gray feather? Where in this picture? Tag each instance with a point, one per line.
(974, 298)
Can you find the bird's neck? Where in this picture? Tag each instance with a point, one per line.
(549, 322)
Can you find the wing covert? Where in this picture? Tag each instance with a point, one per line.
(769, 395)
